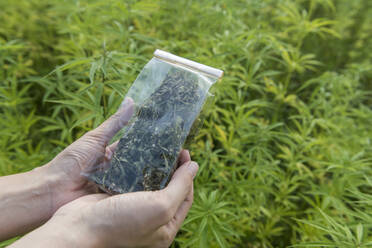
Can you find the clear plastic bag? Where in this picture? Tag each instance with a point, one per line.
(169, 95)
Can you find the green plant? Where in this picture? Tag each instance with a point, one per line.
(284, 153)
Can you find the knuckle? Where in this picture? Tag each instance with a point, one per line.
(165, 237)
(71, 156)
(93, 138)
(115, 119)
(93, 135)
(115, 116)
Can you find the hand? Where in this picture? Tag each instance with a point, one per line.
(29, 199)
(88, 151)
(140, 219)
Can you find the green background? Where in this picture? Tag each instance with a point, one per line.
(285, 153)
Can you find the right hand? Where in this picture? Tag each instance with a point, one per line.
(139, 219)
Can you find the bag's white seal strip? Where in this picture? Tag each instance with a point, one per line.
(188, 63)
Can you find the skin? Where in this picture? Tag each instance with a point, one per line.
(60, 203)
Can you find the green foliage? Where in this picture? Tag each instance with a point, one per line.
(285, 153)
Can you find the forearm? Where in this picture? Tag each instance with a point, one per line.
(39, 239)
(26, 202)
(58, 234)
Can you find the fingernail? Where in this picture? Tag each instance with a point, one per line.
(127, 106)
(193, 167)
(108, 154)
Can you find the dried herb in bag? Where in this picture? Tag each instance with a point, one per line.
(169, 95)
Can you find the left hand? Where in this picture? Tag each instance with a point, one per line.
(85, 153)
(29, 199)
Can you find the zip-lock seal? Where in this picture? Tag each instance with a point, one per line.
(208, 70)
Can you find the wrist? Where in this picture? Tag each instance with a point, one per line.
(61, 188)
(26, 202)
(65, 182)
(50, 181)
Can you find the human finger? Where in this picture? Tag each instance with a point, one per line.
(106, 131)
(166, 233)
(180, 184)
(110, 150)
(176, 223)
(184, 157)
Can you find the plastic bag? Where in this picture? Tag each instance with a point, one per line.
(169, 95)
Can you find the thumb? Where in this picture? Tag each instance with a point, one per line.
(181, 182)
(106, 131)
